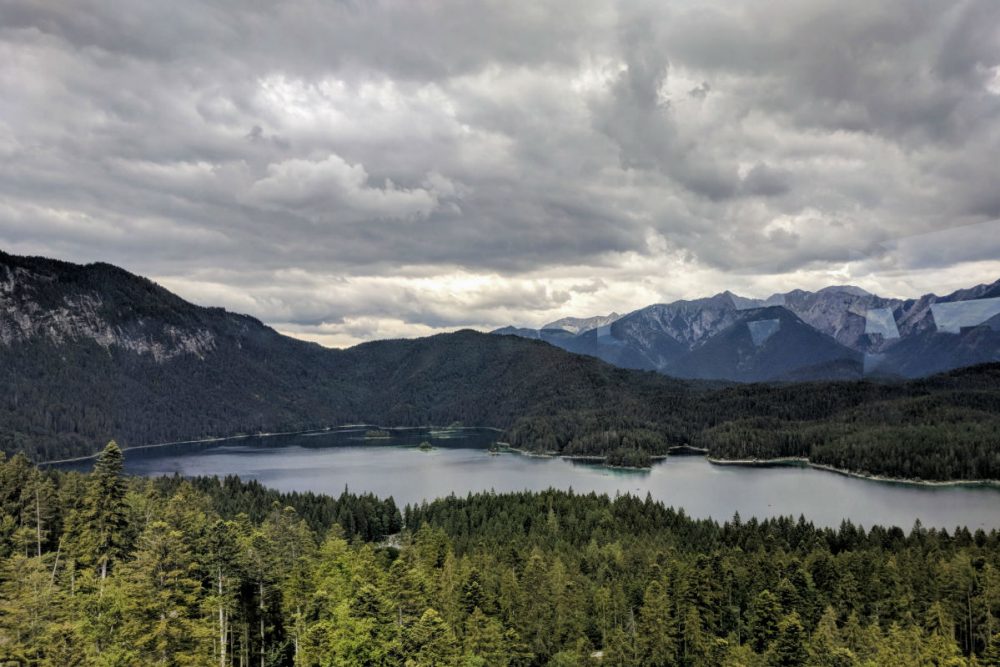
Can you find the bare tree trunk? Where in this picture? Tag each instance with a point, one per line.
(38, 522)
(222, 624)
(968, 600)
(55, 564)
(104, 575)
(261, 622)
(298, 629)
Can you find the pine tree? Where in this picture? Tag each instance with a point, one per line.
(38, 509)
(36, 619)
(292, 545)
(163, 615)
(98, 531)
(222, 563)
(430, 642)
(789, 648)
(656, 628)
(741, 656)
(472, 592)
(258, 561)
(765, 614)
(484, 638)
(619, 649)
(825, 646)
(695, 645)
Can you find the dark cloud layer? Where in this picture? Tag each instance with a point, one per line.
(348, 170)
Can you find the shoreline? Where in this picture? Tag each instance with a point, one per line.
(244, 436)
(803, 461)
(787, 461)
(592, 458)
(678, 450)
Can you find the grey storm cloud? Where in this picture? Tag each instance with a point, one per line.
(382, 165)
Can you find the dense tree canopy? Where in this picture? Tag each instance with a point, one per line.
(942, 428)
(99, 569)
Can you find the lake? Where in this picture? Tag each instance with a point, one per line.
(329, 461)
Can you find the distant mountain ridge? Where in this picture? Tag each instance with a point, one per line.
(846, 332)
(90, 353)
(93, 352)
(577, 325)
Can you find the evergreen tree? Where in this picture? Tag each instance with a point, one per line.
(36, 617)
(696, 647)
(825, 646)
(789, 649)
(293, 546)
(619, 649)
(765, 614)
(163, 616)
(656, 628)
(222, 564)
(430, 642)
(484, 639)
(99, 529)
(991, 656)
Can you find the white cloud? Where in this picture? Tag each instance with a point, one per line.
(395, 168)
(330, 190)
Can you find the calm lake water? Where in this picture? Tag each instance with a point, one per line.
(329, 461)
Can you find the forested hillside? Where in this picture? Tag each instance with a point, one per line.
(93, 353)
(938, 428)
(102, 570)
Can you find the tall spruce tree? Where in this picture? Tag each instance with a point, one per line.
(657, 628)
(100, 525)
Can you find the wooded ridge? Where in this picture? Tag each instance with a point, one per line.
(93, 353)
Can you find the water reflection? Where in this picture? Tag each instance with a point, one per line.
(459, 462)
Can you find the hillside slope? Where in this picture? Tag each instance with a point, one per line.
(89, 353)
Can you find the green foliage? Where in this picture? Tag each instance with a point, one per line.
(228, 573)
(97, 532)
(940, 428)
(628, 458)
(790, 645)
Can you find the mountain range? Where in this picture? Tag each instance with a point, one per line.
(92, 352)
(839, 332)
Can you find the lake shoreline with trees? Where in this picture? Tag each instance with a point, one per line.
(803, 461)
(597, 459)
(90, 562)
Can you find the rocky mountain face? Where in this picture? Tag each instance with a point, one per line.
(835, 333)
(766, 343)
(90, 353)
(577, 325)
(44, 300)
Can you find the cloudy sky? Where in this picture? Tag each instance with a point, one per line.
(356, 170)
